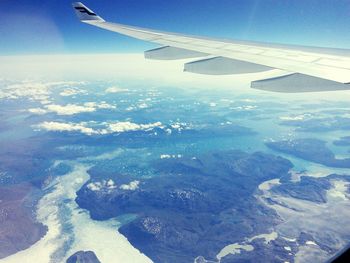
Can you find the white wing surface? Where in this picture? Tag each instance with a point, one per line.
(302, 69)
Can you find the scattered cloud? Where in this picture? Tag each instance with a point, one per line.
(72, 91)
(38, 111)
(102, 186)
(115, 89)
(130, 108)
(179, 126)
(109, 185)
(38, 91)
(71, 109)
(300, 117)
(89, 128)
(245, 108)
(143, 106)
(132, 186)
(61, 127)
(129, 126)
(100, 105)
(32, 90)
(168, 156)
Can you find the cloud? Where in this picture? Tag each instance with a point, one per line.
(179, 126)
(300, 117)
(61, 127)
(71, 92)
(245, 108)
(129, 126)
(109, 185)
(38, 111)
(102, 186)
(168, 156)
(100, 105)
(132, 186)
(32, 90)
(115, 90)
(96, 186)
(71, 109)
(38, 91)
(104, 128)
(143, 106)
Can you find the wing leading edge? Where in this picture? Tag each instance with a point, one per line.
(300, 69)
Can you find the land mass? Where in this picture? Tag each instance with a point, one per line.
(19, 229)
(83, 257)
(193, 207)
(311, 150)
(308, 188)
(319, 124)
(344, 141)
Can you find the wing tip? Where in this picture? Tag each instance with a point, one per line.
(85, 14)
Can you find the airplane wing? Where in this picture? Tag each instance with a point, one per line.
(300, 69)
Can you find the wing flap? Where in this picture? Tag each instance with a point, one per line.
(296, 82)
(223, 66)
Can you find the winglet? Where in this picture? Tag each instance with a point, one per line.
(85, 14)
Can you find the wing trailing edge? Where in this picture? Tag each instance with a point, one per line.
(172, 53)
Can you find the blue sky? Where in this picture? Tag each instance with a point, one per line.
(42, 27)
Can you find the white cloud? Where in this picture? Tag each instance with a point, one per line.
(104, 105)
(109, 185)
(104, 128)
(45, 101)
(130, 108)
(115, 90)
(132, 186)
(296, 117)
(245, 108)
(100, 105)
(39, 91)
(129, 126)
(71, 92)
(102, 186)
(32, 90)
(69, 109)
(179, 126)
(61, 127)
(94, 186)
(38, 111)
(168, 156)
(143, 106)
